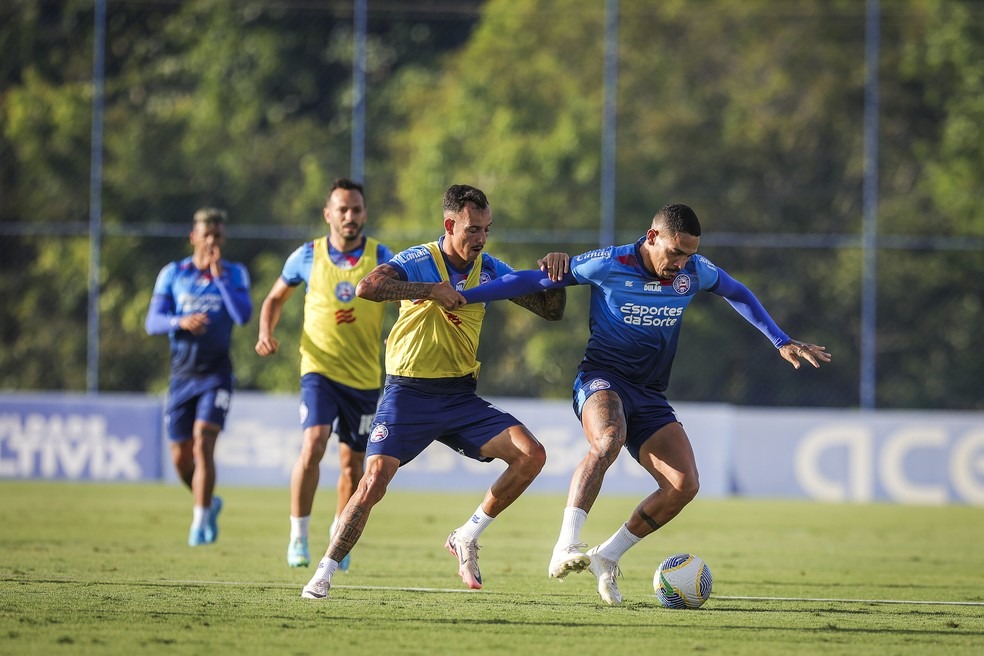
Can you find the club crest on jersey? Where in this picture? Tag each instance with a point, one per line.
(598, 384)
(681, 284)
(345, 291)
(379, 433)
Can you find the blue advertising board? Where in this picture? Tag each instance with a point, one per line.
(909, 457)
(80, 437)
(842, 455)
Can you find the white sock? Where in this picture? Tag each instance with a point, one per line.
(615, 547)
(200, 515)
(570, 528)
(324, 572)
(471, 529)
(299, 526)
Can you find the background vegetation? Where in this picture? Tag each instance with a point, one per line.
(751, 112)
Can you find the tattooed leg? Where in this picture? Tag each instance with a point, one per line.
(348, 531)
(379, 472)
(604, 428)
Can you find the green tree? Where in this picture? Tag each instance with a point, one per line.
(752, 112)
(752, 115)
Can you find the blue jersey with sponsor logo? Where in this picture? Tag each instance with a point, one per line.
(635, 318)
(297, 268)
(417, 265)
(182, 289)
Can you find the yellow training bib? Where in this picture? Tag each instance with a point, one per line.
(430, 342)
(342, 332)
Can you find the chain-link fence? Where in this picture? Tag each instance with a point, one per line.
(753, 113)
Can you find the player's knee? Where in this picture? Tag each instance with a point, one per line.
(183, 461)
(373, 485)
(182, 455)
(535, 459)
(311, 457)
(688, 488)
(313, 449)
(608, 444)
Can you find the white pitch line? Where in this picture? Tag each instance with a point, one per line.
(855, 601)
(391, 588)
(258, 584)
(268, 584)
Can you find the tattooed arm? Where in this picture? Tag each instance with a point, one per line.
(383, 284)
(548, 304)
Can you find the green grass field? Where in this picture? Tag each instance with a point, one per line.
(104, 569)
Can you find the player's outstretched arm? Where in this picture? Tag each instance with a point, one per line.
(383, 284)
(744, 302)
(515, 285)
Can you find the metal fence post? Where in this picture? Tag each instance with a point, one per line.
(95, 196)
(869, 276)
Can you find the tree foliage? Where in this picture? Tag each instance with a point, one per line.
(751, 112)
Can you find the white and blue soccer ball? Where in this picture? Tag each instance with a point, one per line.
(683, 581)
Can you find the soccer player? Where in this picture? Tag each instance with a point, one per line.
(639, 293)
(340, 353)
(431, 376)
(196, 301)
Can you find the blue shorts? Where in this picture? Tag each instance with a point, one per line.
(323, 401)
(409, 420)
(210, 405)
(646, 410)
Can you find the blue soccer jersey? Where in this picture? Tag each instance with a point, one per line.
(181, 290)
(635, 318)
(416, 265)
(297, 268)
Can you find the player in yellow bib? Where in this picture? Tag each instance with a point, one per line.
(340, 353)
(431, 376)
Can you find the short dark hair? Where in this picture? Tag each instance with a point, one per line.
(345, 183)
(458, 196)
(678, 218)
(211, 216)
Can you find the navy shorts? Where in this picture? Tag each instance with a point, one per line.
(646, 410)
(323, 401)
(210, 405)
(409, 420)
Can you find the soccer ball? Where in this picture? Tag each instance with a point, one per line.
(682, 581)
